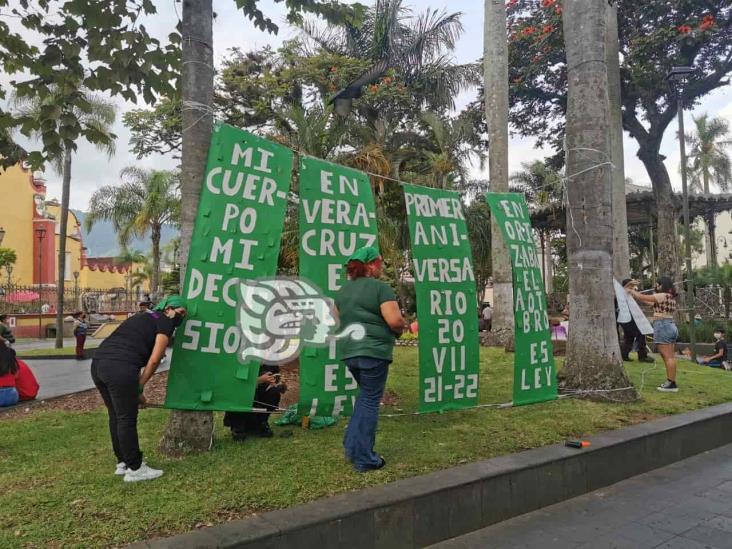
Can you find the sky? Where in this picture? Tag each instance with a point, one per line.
(93, 169)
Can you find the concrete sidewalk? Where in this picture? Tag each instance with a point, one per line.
(685, 505)
(64, 376)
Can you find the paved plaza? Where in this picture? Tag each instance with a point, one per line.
(687, 505)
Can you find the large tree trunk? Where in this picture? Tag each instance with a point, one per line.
(63, 227)
(193, 431)
(155, 238)
(495, 65)
(621, 252)
(593, 360)
(667, 211)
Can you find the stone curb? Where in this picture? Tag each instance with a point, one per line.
(420, 511)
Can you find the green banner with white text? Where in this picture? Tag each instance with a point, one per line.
(535, 376)
(236, 237)
(337, 217)
(449, 369)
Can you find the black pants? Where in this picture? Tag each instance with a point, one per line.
(117, 382)
(631, 334)
(241, 422)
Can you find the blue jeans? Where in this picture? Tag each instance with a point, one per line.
(8, 396)
(370, 374)
(712, 363)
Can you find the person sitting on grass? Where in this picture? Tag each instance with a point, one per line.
(269, 391)
(720, 351)
(8, 369)
(6, 334)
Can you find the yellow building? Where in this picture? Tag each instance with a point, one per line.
(32, 229)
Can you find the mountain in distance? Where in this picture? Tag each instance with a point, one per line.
(102, 241)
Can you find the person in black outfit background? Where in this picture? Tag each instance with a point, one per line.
(139, 342)
(632, 335)
(268, 394)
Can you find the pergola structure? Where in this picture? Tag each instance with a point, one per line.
(641, 211)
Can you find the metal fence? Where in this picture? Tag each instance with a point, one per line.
(19, 299)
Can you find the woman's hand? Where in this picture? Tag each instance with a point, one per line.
(142, 400)
(267, 378)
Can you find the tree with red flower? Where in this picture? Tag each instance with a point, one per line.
(684, 29)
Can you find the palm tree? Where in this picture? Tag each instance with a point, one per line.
(416, 47)
(495, 72)
(146, 201)
(97, 120)
(542, 185)
(593, 355)
(621, 252)
(709, 163)
(449, 164)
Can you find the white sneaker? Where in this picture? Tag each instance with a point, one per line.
(121, 468)
(145, 472)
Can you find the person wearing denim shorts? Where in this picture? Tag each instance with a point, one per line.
(665, 332)
(367, 301)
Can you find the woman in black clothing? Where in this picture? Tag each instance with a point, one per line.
(139, 342)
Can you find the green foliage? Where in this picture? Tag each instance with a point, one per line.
(7, 257)
(330, 10)
(145, 201)
(157, 130)
(94, 46)
(709, 160)
(654, 36)
(294, 467)
(170, 281)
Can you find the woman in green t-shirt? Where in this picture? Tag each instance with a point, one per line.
(367, 301)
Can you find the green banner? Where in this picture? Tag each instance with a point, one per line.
(535, 376)
(449, 369)
(236, 237)
(337, 216)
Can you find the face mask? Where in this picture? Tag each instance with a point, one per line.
(177, 320)
(717, 335)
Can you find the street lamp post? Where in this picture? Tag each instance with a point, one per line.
(676, 78)
(41, 232)
(76, 290)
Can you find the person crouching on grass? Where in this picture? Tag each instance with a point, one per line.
(268, 394)
(139, 342)
(367, 301)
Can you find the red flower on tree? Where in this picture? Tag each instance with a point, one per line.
(558, 10)
(528, 31)
(547, 3)
(548, 29)
(707, 23)
(684, 29)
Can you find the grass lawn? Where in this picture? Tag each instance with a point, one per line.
(56, 467)
(69, 351)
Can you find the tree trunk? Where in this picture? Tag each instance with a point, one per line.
(593, 360)
(193, 431)
(495, 66)
(621, 252)
(667, 249)
(155, 238)
(549, 265)
(710, 244)
(63, 227)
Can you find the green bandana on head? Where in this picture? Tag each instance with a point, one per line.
(367, 254)
(172, 301)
